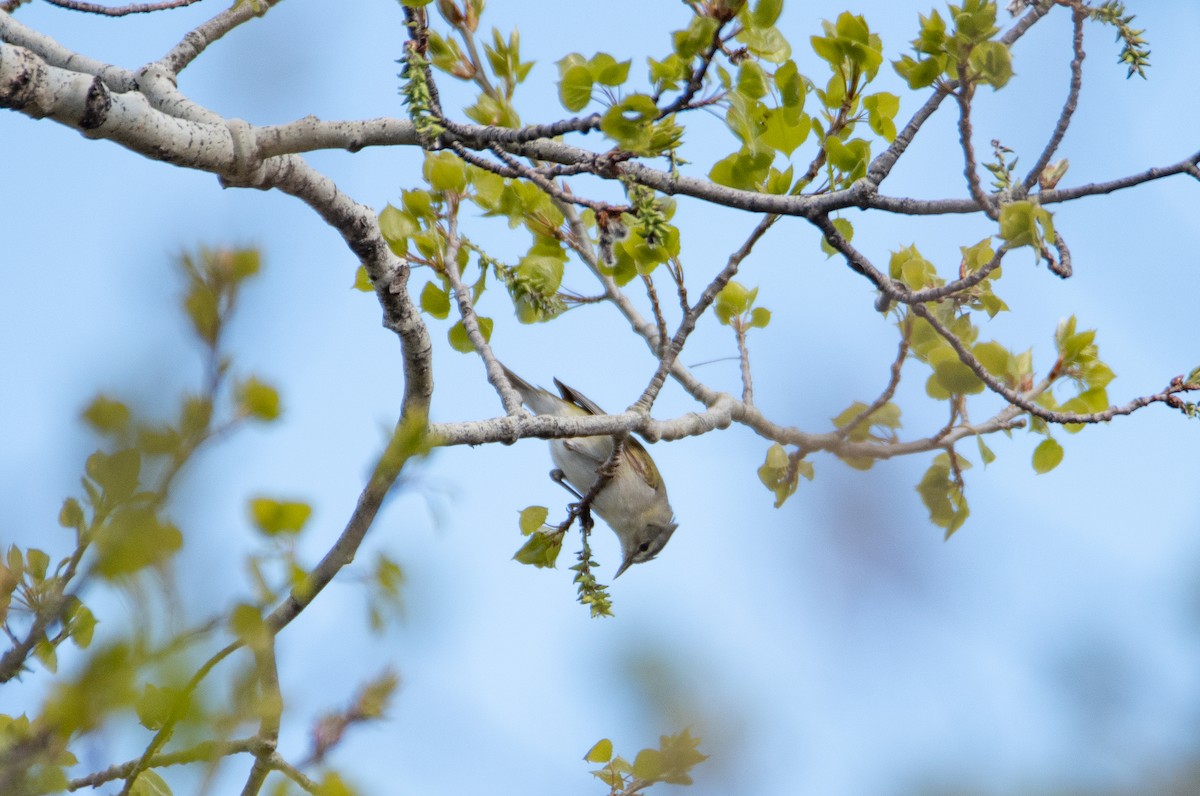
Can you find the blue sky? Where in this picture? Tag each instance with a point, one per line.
(834, 646)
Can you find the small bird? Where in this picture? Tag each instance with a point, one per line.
(634, 502)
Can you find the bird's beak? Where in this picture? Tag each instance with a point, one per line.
(624, 566)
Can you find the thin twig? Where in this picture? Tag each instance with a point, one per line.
(466, 310)
(656, 308)
(692, 316)
(1015, 398)
(120, 11)
(1078, 16)
(739, 329)
(964, 95)
(888, 392)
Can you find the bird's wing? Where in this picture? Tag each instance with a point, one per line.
(579, 399)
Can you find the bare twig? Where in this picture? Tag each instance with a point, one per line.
(692, 316)
(656, 308)
(120, 11)
(964, 95)
(1078, 16)
(739, 330)
(466, 310)
(888, 392)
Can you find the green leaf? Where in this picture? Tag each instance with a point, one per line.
(679, 755)
(458, 335)
(575, 88)
(38, 562)
(992, 63)
(83, 625)
(275, 517)
(630, 123)
(1047, 456)
(106, 415)
(956, 378)
(784, 135)
(445, 172)
(985, 452)
(920, 74)
(744, 170)
(843, 226)
(362, 281)
(149, 783)
(601, 752)
(751, 80)
(533, 518)
(648, 765)
(258, 400)
(760, 317)
(733, 300)
(247, 624)
(699, 34)
(117, 474)
(71, 515)
(1025, 223)
(201, 305)
(943, 496)
(994, 357)
(608, 71)
(540, 550)
(766, 43)
(397, 226)
(850, 157)
(765, 13)
(133, 539)
(881, 110)
(435, 301)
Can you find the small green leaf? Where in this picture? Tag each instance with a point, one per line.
(846, 229)
(258, 400)
(150, 783)
(83, 625)
(540, 550)
(648, 765)
(985, 452)
(1047, 456)
(362, 281)
(71, 515)
(766, 43)
(760, 317)
(106, 415)
(201, 305)
(601, 752)
(608, 71)
(533, 518)
(247, 624)
(744, 169)
(445, 172)
(575, 88)
(274, 517)
(733, 300)
(992, 63)
(785, 134)
(435, 301)
(765, 13)
(459, 340)
(751, 80)
(38, 562)
(133, 539)
(117, 474)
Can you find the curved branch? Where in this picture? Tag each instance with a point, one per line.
(1068, 110)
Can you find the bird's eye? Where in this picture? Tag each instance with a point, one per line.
(643, 547)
